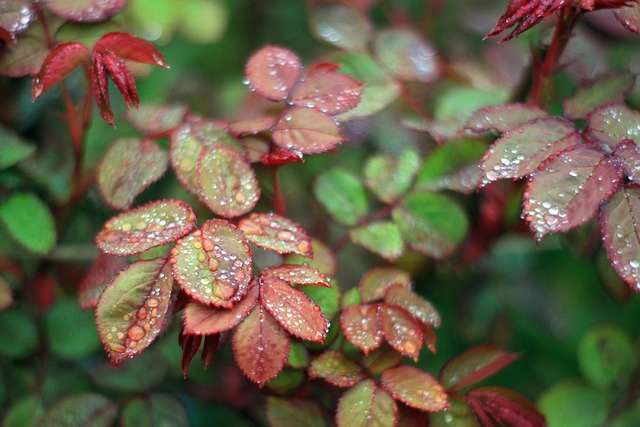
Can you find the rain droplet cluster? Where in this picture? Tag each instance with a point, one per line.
(276, 233)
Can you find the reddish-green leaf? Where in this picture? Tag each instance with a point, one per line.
(331, 93)
(474, 365)
(323, 258)
(293, 309)
(407, 55)
(391, 176)
(128, 168)
(132, 310)
(610, 124)
(16, 15)
(85, 10)
(294, 412)
(210, 349)
(156, 119)
(260, 346)
(366, 405)
(6, 294)
(60, 62)
(401, 330)
(565, 192)
(507, 407)
(252, 126)
(154, 224)
(190, 344)
(273, 72)
(374, 283)
(200, 319)
(526, 14)
(459, 414)
(401, 296)
(307, 131)
(359, 323)
(341, 25)
(81, 410)
(102, 272)
(415, 388)
(227, 183)
(27, 56)
(519, 151)
(630, 153)
(604, 90)
(335, 368)
(213, 264)
(131, 48)
(297, 275)
(380, 237)
(502, 118)
(629, 17)
(381, 359)
(276, 233)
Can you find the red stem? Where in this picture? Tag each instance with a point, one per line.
(279, 203)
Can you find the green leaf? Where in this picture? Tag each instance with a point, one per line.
(407, 55)
(607, 357)
(288, 379)
(391, 176)
(343, 195)
(501, 118)
(374, 284)
(458, 415)
(335, 368)
(298, 356)
(29, 221)
(574, 404)
(140, 374)
(24, 413)
(328, 299)
(431, 223)
(380, 237)
(71, 332)
(603, 90)
(203, 21)
(323, 259)
(610, 124)
(128, 168)
(341, 26)
(366, 405)
(80, 410)
(13, 149)
(400, 295)
(415, 388)
(444, 167)
(155, 410)
(18, 335)
(294, 412)
(276, 233)
(27, 57)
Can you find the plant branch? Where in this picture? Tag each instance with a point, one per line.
(279, 203)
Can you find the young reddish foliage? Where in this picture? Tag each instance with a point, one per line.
(297, 275)
(359, 323)
(102, 272)
(85, 10)
(335, 368)
(273, 72)
(415, 388)
(276, 233)
(60, 62)
(474, 365)
(504, 406)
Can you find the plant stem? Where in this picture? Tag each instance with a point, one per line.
(279, 203)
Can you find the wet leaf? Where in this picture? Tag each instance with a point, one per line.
(519, 151)
(128, 168)
(431, 223)
(133, 309)
(294, 412)
(323, 259)
(16, 15)
(474, 365)
(380, 237)
(252, 126)
(331, 93)
(307, 131)
(606, 357)
(13, 149)
(341, 26)
(343, 195)
(200, 319)
(458, 415)
(375, 283)
(604, 90)
(335, 368)
(292, 308)
(85, 10)
(81, 409)
(327, 298)
(276, 233)
(401, 330)
(610, 124)
(71, 333)
(567, 191)
(297, 275)
(629, 17)
(630, 153)
(154, 410)
(131, 48)
(26, 58)
(366, 405)
(415, 388)
(6, 295)
(156, 119)
(391, 176)
(359, 323)
(260, 346)
(507, 407)
(213, 264)
(29, 221)
(227, 183)
(151, 225)
(58, 64)
(502, 118)
(400, 295)
(407, 55)
(526, 14)
(273, 72)
(381, 359)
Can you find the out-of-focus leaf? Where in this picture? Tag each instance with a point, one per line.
(566, 192)
(506, 407)
(276, 233)
(131, 48)
(155, 410)
(101, 273)
(323, 258)
(16, 15)
(400, 295)
(297, 275)
(366, 405)
(223, 261)
(190, 344)
(203, 21)
(415, 388)
(630, 153)
(573, 404)
(307, 131)
(610, 124)
(341, 26)
(13, 149)
(298, 356)
(401, 330)
(407, 55)
(502, 118)
(458, 415)
(474, 365)
(260, 346)
(128, 168)
(359, 323)
(381, 359)
(140, 374)
(335, 368)
(388, 176)
(18, 335)
(273, 72)
(604, 90)
(29, 221)
(58, 64)
(71, 332)
(374, 283)
(252, 126)
(331, 93)
(156, 119)
(26, 58)
(151, 225)
(82, 409)
(294, 412)
(210, 349)
(629, 17)
(526, 14)
(343, 195)
(6, 295)
(380, 237)
(85, 10)
(133, 309)
(24, 413)
(431, 223)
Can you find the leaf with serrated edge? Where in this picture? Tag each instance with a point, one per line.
(297, 275)
(566, 192)
(374, 284)
(58, 64)
(335, 368)
(331, 93)
(604, 90)
(293, 309)
(391, 176)
(415, 388)
(102, 272)
(130, 48)
(474, 365)
(520, 150)
(307, 131)
(382, 358)
(151, 225)
(630, 153)
(507, 407)
(273, 72)
(503, 117)
(359, 323)
(401, 296)
(85, 10)
(380, 237)
(401, 330)
(213, 264)
(610, 124)
(260, 346)
(132, 310)
(200, 319)
(276, 233)
(128, 168)
(156, 119)
(366, 405)
(228, 184)
(252, 126)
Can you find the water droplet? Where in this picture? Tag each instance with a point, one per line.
(136, 332)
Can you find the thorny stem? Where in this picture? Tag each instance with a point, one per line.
(279, 203)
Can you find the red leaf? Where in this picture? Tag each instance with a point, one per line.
(280, 156)
(507, 407)
(121, 76)
(260, 346)
(154, 224)
(331, 93)
(415, 388)
(335, 368)
(273, 72)
(293, 309)
(567, 190)
(200, 319)
(374, 284)
(613, 123)
(60, 62)
(130, 48)
(474, 365)
(629, 17)
(400, 296)
(359, 322)
(630, 153)
(252, 126)
(85, 10)
(401, 330)
(16, 16)
(526, 13)
(210, 349)
(297, 275)
(307, 131)
(190, 345)
(276, 233)
(100, 87)
(101, 273)
(366, 405)
(322, 68)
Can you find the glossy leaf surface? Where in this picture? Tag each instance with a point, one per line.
(502, 118)
(375, 283)
(507, 407)
(85, 10)
(359, 322)
(604, 90)
(630, 154)
(273, 72)
(297, 275)
(380, 237)
(16, 15)
(415, 388)
(331, 93)
(29, 221)
(58, 64)
(131, 48)
(474, 365)
(276, 233)
(407, 55)
(335, 368)
(102, 272)
(343, 195)
(366, 405)
(400, 295)
(401, 330)
(307, 131)
(610, 124)
(388, 176)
